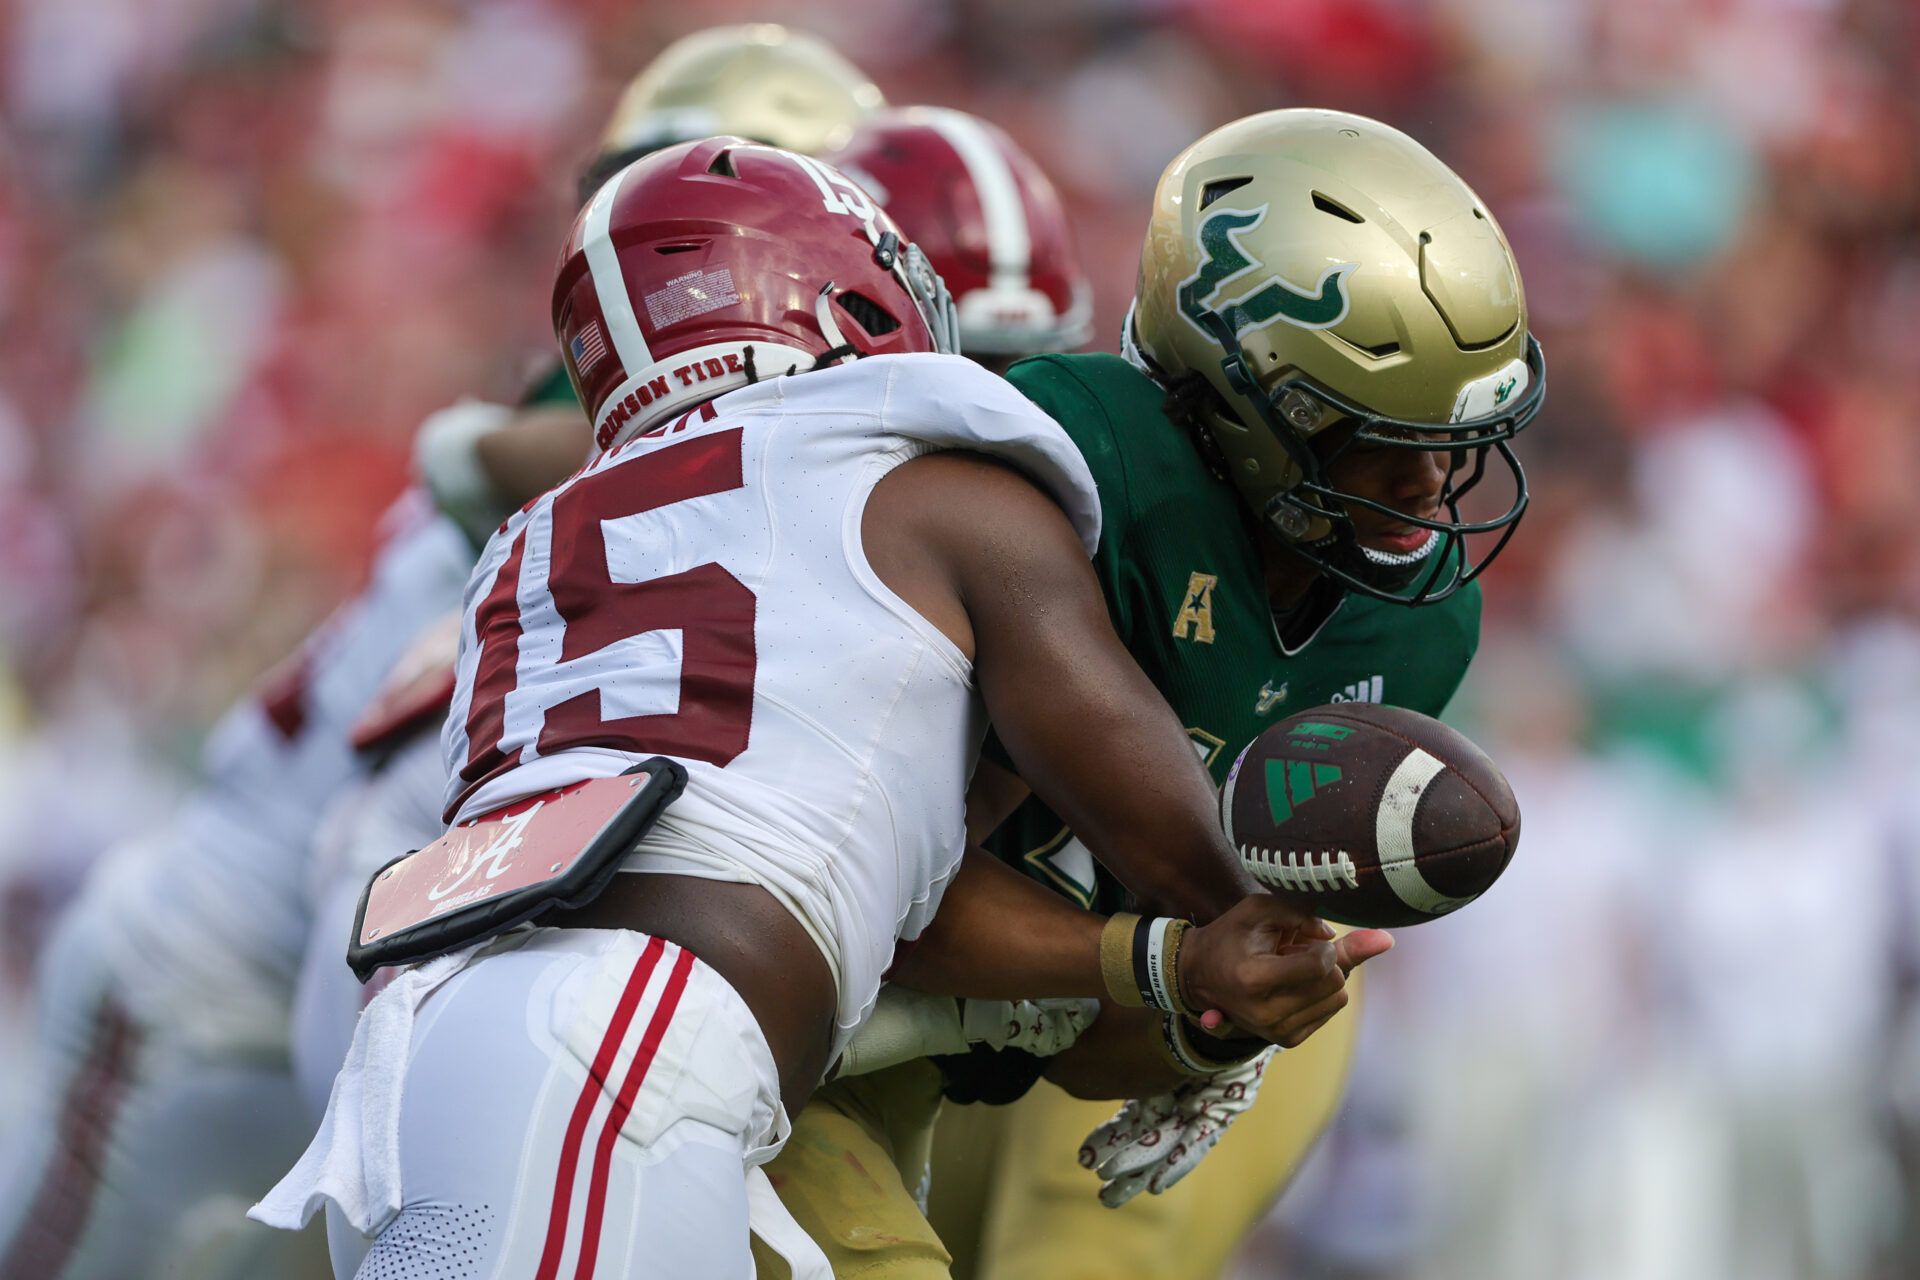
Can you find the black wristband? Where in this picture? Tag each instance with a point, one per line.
(1142, 974)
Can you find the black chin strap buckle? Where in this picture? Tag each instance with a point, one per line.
(1234, 365)
(832, 354)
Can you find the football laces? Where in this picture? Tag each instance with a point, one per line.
(1302, 870)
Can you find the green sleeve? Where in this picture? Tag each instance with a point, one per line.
(1465, 614)
(1053, 385)
(1059, 389)
(550, 386)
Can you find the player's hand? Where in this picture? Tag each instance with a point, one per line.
(1271, 972)
(1152, 1143)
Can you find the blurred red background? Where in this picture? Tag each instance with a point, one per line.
(245, 246)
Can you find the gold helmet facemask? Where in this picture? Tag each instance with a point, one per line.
(1314, 283)
(1315, 519)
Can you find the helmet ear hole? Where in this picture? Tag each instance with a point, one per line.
(1220, 187)
(866, 313)
(1325, 205)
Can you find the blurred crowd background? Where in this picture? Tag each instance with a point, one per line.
(245, 245)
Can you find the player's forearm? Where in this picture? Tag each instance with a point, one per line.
(1000, 936)
(1084, 727)
(533, 452)
(1094, 738)
(1115, 1058)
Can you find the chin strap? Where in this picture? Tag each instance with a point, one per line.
(836, 355)
(1130, 349)
(833, 355)
(838, 348)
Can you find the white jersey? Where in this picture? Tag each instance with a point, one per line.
(220, 896)
(702, 593)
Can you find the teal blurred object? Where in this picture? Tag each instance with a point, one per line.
(1663, 184)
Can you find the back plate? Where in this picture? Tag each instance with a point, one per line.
(491, 873)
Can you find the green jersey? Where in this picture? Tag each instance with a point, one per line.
(1181, 568)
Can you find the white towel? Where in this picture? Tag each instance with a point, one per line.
(768, 1218)
(354, 1159)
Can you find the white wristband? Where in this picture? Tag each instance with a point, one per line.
(1157, 970)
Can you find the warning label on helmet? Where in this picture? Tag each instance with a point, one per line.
(690, 295)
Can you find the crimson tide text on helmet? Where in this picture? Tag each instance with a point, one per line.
(1332, 286)
(714, 264)
(987, 218)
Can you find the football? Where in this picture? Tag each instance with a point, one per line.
(1370, 815)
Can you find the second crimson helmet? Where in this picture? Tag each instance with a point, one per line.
(713, 264)
(986, 217)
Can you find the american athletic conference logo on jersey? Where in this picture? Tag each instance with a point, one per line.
(1223, 261)
(1194, 620)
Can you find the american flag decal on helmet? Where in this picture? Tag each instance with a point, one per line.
(588, 348)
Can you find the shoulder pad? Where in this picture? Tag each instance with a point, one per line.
(417, 692)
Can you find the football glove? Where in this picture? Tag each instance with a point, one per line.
(1152, 1143)
(907, 1024)
(447, 462)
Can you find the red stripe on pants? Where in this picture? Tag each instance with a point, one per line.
(54, 1224)
(583, 1108)
(622, 1106)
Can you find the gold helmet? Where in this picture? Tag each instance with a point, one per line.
(758, 81)
(1334, 284)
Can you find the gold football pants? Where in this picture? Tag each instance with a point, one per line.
(1009, 1195)
(849, 1173)
(1012, 1203)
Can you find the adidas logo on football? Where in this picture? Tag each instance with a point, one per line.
(1368, 690)
(1291, 783)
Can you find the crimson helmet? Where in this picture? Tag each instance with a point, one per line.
(987, 218)
(710, 265)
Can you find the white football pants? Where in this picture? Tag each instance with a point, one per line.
(327, 1000)
(570, 1102)
(139, 1150)
(369, 825)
